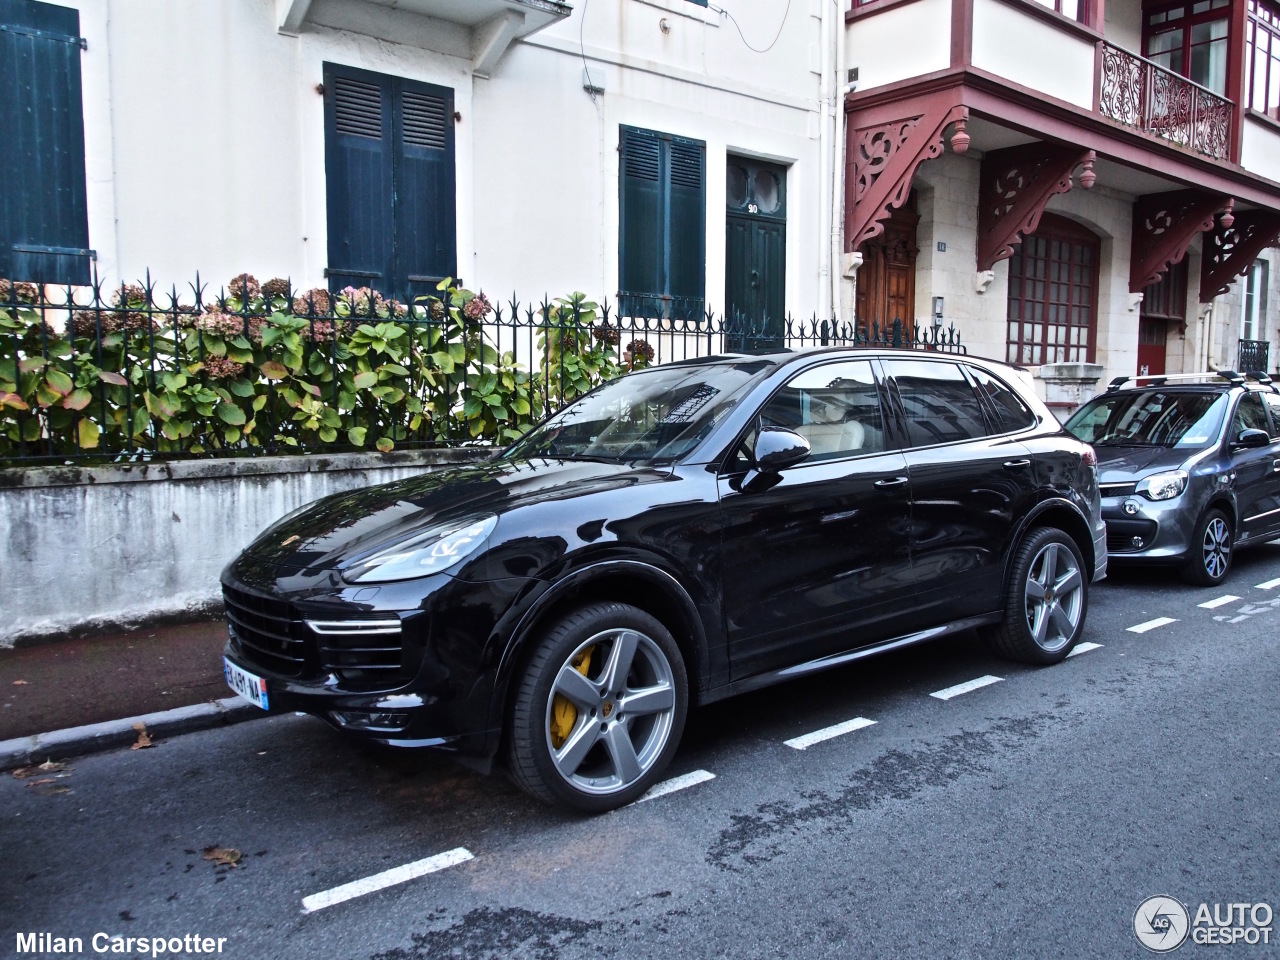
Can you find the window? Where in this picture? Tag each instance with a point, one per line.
(836, 407)
(1273, 407)
(389, 167)
(1167, 297)
(1253, 309)
(938, 402)
(44, 222)
(1250, 415)
(1073, 9)
(1191, 39)
(1053, 282)
(1012, 412)
(662, 225)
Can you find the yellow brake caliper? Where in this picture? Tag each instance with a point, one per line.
(563, 713)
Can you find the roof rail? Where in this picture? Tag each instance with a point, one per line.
(1262, 378)
(1159, 379)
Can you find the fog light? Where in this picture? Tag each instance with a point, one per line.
(360, 720)
(1131, 507)
(1138, 541)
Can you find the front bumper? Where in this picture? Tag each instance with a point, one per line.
(1158, 531)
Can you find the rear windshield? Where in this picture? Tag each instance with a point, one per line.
(1150, 418)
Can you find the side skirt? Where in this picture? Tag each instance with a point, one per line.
(839, 659)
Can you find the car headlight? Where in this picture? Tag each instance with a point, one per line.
(431, 551)
(1163, 486)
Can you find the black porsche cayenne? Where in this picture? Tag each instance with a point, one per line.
(676, 536)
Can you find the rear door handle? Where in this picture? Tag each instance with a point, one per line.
(1275, 466)
(894, 482)
(1016, 464)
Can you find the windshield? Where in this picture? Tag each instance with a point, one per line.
(658, 414)
(1152, 418)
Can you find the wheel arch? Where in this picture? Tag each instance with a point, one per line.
(1066, 517)
(641, 585)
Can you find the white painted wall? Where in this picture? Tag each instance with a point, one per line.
(902, 42)
(1024, 49)
(205, 133)
(1123, 24)
(1260, 148)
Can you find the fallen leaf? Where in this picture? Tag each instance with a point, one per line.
(23, 772)
(50, 766)
(144, 738)
(59, 790)
(20, 683)
(222, 856)
(41, 781)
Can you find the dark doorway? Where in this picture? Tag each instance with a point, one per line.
(389, 166)
(755, 255)
(1163, 302)
(887, 277)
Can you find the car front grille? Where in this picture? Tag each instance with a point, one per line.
(270, 634)
(1117, 489)
(266, 631)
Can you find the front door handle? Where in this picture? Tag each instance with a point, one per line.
(894, 482)
(1275, 466)
(1016, 464)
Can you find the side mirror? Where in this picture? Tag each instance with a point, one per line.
(1252, 438)
(778, 448)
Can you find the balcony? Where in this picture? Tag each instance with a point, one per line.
(1138, 93)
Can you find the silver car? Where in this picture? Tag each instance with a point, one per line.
(1189, 468)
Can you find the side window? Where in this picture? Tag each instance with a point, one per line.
(939, 404)
(1273, 405)
(1014, 413)
(836, 407)
(1250, 415)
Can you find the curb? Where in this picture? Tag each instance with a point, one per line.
(97, 737)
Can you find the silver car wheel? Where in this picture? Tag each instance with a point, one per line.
(610, 711)
(1216, 547)
(1054, 597)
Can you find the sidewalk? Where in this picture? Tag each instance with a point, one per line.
(72, 683)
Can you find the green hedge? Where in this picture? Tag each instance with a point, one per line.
(263, 370)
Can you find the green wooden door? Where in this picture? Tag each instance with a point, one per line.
(755, 255)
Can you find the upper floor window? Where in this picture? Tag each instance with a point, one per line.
(1191, 39)
(1072, 9)
(1262, 57)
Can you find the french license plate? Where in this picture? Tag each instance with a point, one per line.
(252, 688)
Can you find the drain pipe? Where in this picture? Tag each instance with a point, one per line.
(839, 90)
(825, 95)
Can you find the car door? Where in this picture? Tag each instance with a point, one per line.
(819, 561)
(969, 486)
(1257, 482)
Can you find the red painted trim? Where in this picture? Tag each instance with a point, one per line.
(1097, 75)
(1264, 119)
(1236, 67)
(871, 9)
(1228, 253)
(1061, 21)
(1014, 188)
(1164, 224)
(1055, 225)
(962, 32)
(1098, 16)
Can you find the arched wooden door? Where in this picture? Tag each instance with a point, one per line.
(887, 278)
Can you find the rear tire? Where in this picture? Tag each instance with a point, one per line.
(1212, 547)
(1046, 602)
(599, 710)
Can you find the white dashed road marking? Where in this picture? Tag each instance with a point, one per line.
(682, 782)
(1269, 585)
(1084, 648)
(388, 878)
(827, 733)
(1152, 624)
(966, 687)
(1218, 602)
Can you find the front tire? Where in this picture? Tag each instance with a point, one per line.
(599, 711)
(1047, 600)
(1212, 548)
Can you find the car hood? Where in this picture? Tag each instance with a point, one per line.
(1129, 464)
(345, 525)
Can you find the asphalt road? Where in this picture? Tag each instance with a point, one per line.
(1026, 818)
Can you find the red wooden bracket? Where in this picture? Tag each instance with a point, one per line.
(1164, 224)
(883, 159)
(1230, 250)
(1016, 185)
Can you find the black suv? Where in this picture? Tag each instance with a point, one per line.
(1189, 467)
(676, 536)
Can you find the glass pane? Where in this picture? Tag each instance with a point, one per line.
(736, 183)
(836, 407)
(1209, 65)
(939, 403)
(767, 194)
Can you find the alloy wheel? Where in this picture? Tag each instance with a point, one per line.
(610, 711)
(1216, 547)
(1054, 597)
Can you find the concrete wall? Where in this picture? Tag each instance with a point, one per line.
(96, 547)
(875, 43)
(1023, 48)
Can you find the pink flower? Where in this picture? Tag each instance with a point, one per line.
(478, 307)
(220, 368)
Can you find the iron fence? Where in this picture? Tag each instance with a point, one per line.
(1253, 356)
(134, 374)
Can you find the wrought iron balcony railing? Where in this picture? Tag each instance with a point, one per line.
(1142, 94)
(1253, 356)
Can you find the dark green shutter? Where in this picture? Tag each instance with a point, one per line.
(44, 223)
(662, 225)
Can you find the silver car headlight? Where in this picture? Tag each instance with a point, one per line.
(1163, 486)
(433, 550)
